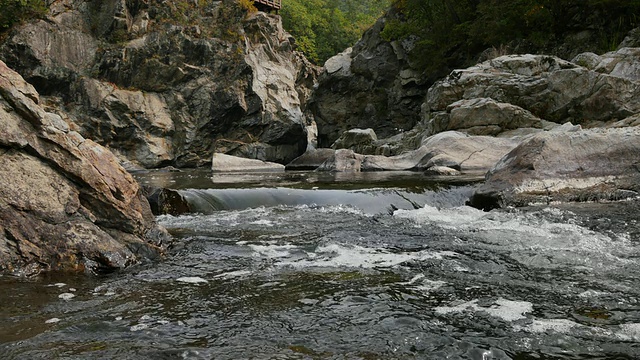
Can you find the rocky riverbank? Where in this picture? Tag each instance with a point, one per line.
(65, 201)
(97, 88)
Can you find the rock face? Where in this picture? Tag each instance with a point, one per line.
(161, 86)
(369, 86)
(362, 141)
(592, 164)
(518, 91)
(459, 152)
(65, 202)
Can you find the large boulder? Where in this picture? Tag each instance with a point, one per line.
(362, 141)
(65, 202)
(472, 155)
(164, 87)
(228, 163)
(539, 86)
(565, 165)
(311, 159)
(484, 116)
(465, 153)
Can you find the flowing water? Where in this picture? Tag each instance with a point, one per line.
(368, 266)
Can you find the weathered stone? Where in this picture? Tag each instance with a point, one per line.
(65, 203)
(228, 163)
(548, 87)
(579, 165)
(310, 160)
(361, 141)
(468, 154)
(441, 171)
(167, 94)
(482, 116)
(372, 85)
(343, 160)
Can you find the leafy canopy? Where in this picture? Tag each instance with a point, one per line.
(447, 33)
(324, 28)
(14, 11)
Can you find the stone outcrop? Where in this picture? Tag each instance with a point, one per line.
(65, 202)
(371, 85)
(228, 163)
(565, 165)
(459, 152)
(161, 86)
(311, 159)
(362, 141)
(527, 89)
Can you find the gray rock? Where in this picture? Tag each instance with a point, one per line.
(592, 164)
(228, 163)
(465, 153)
(362, 141)
(372, 85)
(441, 171)
(162, 93)
(343, 160)
(310, 160)
(65, 202)
(483, 116)
(548, 87)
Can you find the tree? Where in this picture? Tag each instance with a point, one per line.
(13, 11)
(323, 28)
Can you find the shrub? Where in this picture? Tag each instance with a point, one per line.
(14, 11)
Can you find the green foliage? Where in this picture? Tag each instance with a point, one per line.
(451, 33)
(14, 11)
(323, 28)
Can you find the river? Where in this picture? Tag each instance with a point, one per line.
(360, 266)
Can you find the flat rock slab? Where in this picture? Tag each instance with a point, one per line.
(577, 165)
(228, 163)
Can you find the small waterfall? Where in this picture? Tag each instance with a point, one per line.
(372, 201)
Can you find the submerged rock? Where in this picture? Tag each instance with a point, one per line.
(573, 165)
(65, 202)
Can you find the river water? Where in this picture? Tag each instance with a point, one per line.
(365, 266)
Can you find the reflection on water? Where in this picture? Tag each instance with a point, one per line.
(335, 281)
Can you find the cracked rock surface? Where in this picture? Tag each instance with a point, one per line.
(65, 202)
(577, 165)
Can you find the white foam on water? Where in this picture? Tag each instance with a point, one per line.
(192, 280)
(450, 218)
(540, 240)
(562, 326)
(138, 327)
(233, 274)
(506, 310)
(272, 251)
(66, 296)
(421, 283)
(52, 321)
(229, 218)
(589, 294)
(336, 255)
(60, 284)
(263, 222)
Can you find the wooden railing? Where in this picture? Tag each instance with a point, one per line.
(273, 4)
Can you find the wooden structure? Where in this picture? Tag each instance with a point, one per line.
(268, 5)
